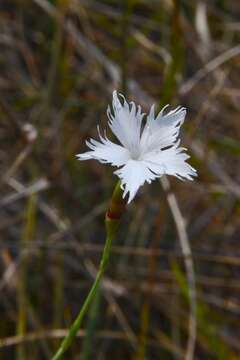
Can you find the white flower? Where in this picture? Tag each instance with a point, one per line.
(146, 151)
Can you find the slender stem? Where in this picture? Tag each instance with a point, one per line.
(113, 215)
(77, 323)
(87, 345)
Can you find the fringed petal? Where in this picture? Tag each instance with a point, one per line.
(106, 152)
(133, 175)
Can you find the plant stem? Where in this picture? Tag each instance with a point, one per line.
(112, 218)
(77, 323)
(87, 345)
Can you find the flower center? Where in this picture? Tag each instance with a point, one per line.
(135, 152)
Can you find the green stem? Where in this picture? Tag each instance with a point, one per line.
(87, 344)
(77, 323)
(113, 215)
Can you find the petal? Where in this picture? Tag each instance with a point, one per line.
(125, 122)
(132, 176)
(162, 131)
(172, 118)
(105, 151)
(171, 162)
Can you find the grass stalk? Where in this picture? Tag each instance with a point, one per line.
(28, 232)
(175, 67)
(58, 297)
(87, 346)
(127, 8)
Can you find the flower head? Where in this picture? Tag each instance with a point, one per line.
(146, 151)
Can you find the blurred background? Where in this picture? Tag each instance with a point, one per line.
(59, 63)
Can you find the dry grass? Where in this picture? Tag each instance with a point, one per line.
(60, 61)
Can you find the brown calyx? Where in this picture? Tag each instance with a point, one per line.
(116, 209)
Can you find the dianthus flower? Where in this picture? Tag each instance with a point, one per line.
(146, 150)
